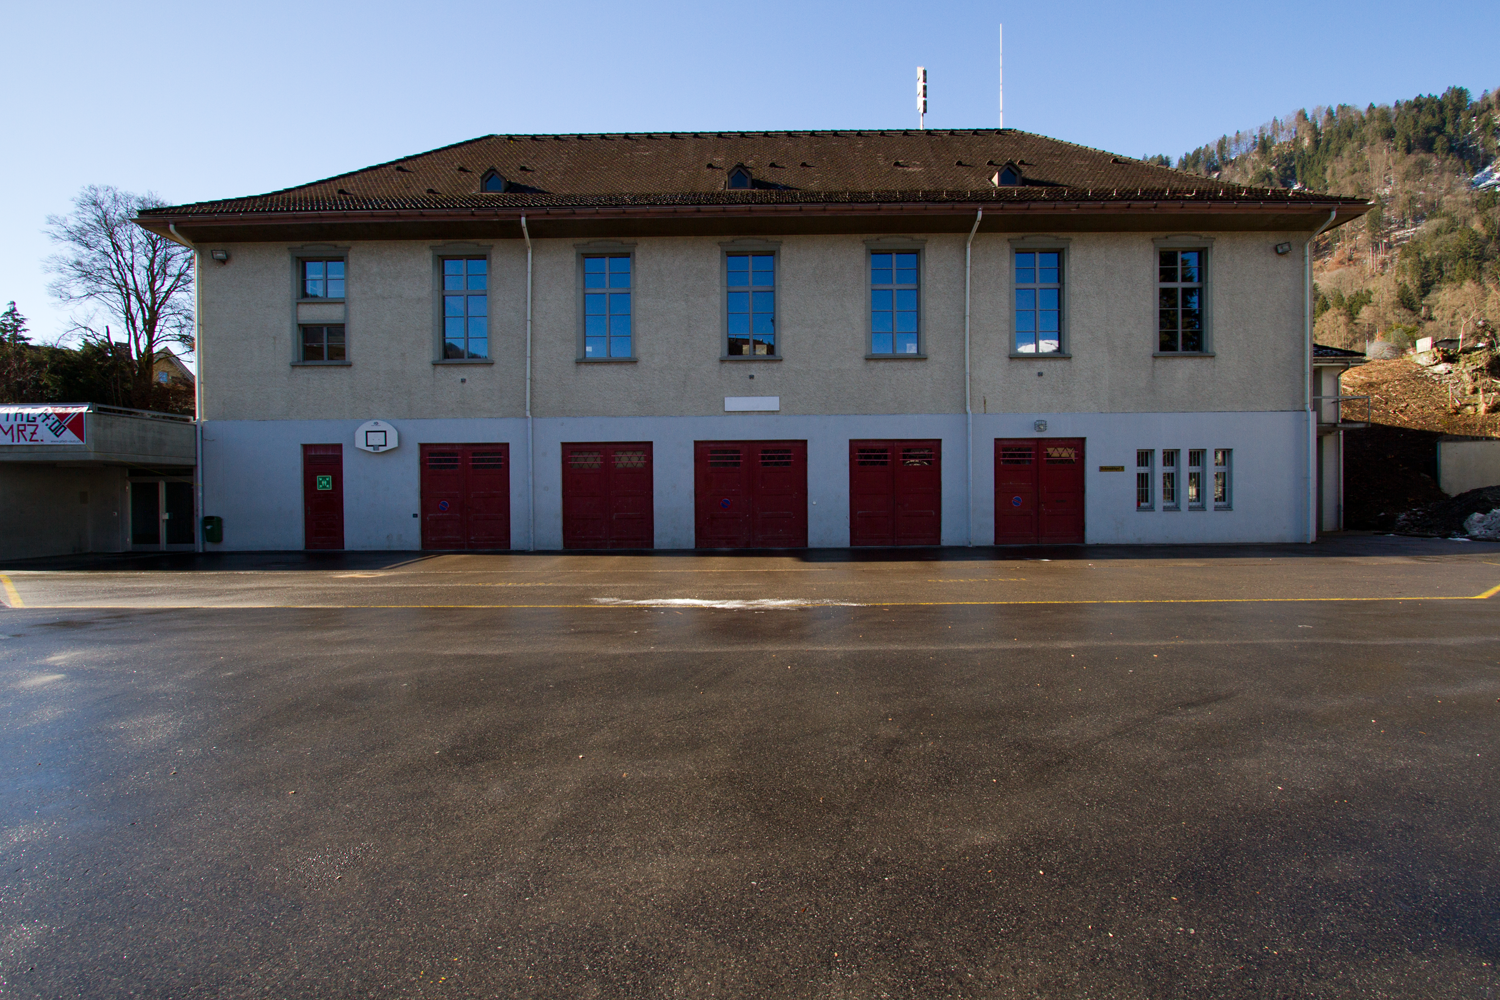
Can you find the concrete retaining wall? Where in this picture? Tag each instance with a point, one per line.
(1468, 465)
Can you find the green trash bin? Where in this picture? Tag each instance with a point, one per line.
(213, 529)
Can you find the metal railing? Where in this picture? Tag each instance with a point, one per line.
(125, 411)
(1360, 418)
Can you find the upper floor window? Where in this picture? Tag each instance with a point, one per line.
(466, 308)
(751, 280)
(322, 342)
(322, 279)
(1180, 284)
(1038, 302)
(894, 310)
(606, 306)
(739, 177)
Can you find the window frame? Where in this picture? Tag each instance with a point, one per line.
(605, 248)
(1205, 244)
(1148, 471)
(1171, 488)
(1201, 454)
(1041, 244)
(1226, 469)
(752, 247)
(325, 252)
(895, 245)
(302, 329)
(461, 251)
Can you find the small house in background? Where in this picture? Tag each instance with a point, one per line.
(170, 371)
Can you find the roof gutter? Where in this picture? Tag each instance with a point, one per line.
(1307, 374)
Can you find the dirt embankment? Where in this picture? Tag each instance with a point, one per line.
(1390, 468)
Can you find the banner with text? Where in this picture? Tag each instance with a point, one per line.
(42, 424)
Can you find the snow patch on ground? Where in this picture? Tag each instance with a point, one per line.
(1489, 177)
(1483, 525)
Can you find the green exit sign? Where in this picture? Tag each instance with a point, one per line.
(325, 482)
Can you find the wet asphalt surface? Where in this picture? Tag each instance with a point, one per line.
(271, 776)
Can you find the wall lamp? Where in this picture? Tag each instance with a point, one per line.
(1282, 249)
(222, 256)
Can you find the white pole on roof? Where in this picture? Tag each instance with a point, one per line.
(921, 97)
(1002, 76)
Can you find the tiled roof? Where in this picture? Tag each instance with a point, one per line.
(787, 168)
(1323, 351)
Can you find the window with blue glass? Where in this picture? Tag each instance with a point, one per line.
(606, 306)
(322, 279)
(466, 308)
(751, 278)
(1038, 302)
(893, 302)
(1180, 305)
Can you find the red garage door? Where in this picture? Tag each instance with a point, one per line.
(1038, 491)
(895, 492)
(323, 496)
(466, 496)
(750, 494)
(607, 496)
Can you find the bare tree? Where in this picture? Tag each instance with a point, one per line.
(123, 278)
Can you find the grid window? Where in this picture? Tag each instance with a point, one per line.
(1179, 294)
(322, 343)
(1222, 466)
(1038, 302)
(322, 279)
(466, 307)
(893, 303)
(1145, 461)
(752, 304)
(1169, 499)
(1196, 498)
(606, 306)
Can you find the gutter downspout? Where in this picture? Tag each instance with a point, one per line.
(968, 381)
(530, 433)
(197, 394)
(1307, 374)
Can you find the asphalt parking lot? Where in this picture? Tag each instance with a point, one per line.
(1257, 771)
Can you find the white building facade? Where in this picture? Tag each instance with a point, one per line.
(756, 340)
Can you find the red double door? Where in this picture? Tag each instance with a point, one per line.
(1038, 491)
(607, 496)
(466, 496)
(323, 496)
(750, 494)
(895, 492)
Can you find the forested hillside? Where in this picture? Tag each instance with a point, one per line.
(1426, 260)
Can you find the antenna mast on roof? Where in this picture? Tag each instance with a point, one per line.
(921, 97)
(1002, 76)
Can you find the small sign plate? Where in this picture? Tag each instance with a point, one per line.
(325, 482)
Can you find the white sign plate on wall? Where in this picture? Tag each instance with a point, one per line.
(741, 404)
(42, 424)
(376, 435)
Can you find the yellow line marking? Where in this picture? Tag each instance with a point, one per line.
(1487, 594)
(13, 598)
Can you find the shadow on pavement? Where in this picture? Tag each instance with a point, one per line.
(1345, 545)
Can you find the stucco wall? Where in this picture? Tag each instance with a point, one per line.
(247, 328)
(1468, 465)
(252, 472)
(52, 510)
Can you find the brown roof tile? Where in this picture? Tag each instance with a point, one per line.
(788, 168)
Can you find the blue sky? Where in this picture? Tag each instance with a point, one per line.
(206, 100)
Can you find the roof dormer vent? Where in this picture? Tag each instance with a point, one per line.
(492, 182)
(739, 178)
(1007, 176)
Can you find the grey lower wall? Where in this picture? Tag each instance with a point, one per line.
(1468, 465)
(54, 510)
(252, 473)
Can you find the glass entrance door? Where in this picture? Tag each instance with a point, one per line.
(162, 515)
